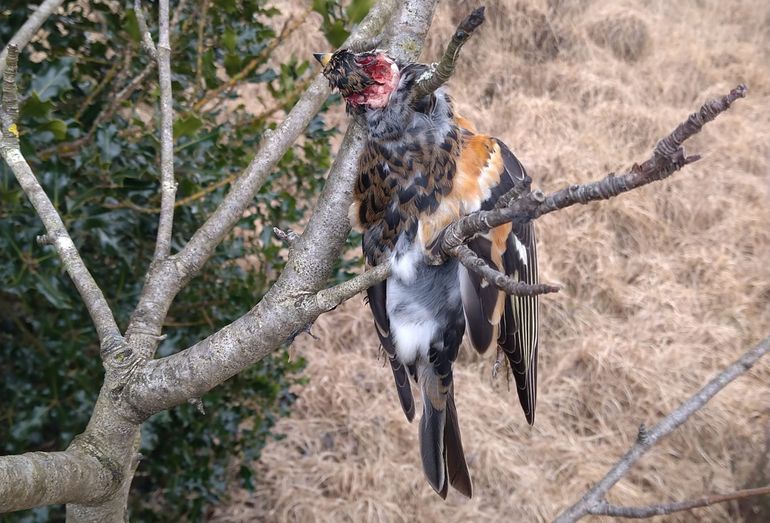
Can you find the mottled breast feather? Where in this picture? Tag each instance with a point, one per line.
(406, 169)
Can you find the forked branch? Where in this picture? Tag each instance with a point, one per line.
(147, 42)
(163, 284)
(593, 500)
(606, 509)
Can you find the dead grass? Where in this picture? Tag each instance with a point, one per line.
(661, 288)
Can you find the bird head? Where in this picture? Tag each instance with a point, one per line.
(364, 79)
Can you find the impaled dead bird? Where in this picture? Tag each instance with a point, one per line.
(423, 167)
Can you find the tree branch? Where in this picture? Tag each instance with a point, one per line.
(56, 232)
(441, 72)
(167, 280)
(49, 478)
(116, 99)
(667, 158)
(274, 145)
(328, 299)
(147, 42)
(167, 183)
(648, 438)
(503, 282)
(292, 303)
(606, 509)
(28, 30)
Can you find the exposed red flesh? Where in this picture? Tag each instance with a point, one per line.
(379, 68)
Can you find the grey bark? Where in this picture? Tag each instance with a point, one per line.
(167, 183)
(39, 478)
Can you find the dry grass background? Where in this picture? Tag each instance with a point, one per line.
(662, 288)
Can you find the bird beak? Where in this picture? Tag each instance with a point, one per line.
(323, 58)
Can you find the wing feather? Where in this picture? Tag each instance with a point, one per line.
(491, 316)
(519, 332)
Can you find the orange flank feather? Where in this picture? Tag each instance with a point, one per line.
(464, 123)
(479, 168)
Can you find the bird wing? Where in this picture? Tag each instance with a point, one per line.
(487, 170)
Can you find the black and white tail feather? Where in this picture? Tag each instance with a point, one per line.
(492, 318)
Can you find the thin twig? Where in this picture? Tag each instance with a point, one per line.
(28, 30)
(667, 158)
(56, 232)
(441, 72)
(123, 95)
(289, 27)
(202, 20)
(167, 183)
(593, 498)
(288, 236)
(606, 509)
(147, 42)
(99, 88)
(503, 282)
(115, 101)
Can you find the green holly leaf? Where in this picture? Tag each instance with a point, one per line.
(232, 64)
(57, 127)
(34, 107)
(229, 39)
(54, 81)
(357, 10)
(187, 126)
(336, 33)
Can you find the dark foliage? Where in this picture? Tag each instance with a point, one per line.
(102, 175)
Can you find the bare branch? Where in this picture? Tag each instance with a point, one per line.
(272, 148)
(594, 497)
(288, 306)
(441, 72)
(147, 42)
(49, 478)
(115, 100)
(606, 509)
(167, 182)
(163, 284)
(503, 282)
(28, 30)
(667, 158)
(292, 302)
(327, 299)
(56, 232)
(288, 236)
(203, 13)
